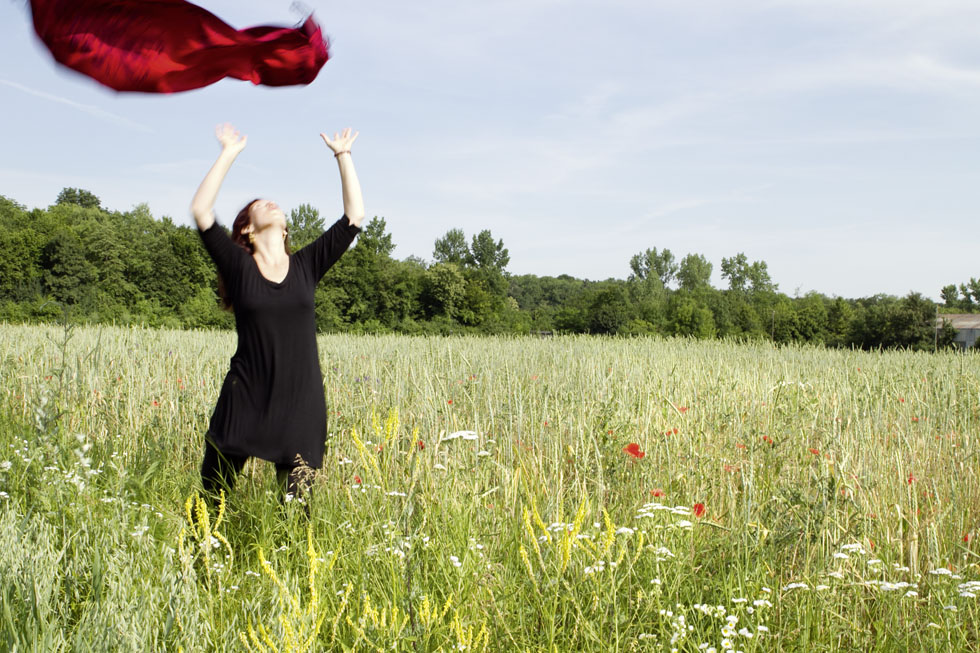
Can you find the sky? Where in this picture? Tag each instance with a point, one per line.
(837, 140)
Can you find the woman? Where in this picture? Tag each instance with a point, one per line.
(271, 404)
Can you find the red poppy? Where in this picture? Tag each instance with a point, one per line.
(698, 509)
(449, 402)
(546, 422)
(48, 377)
(357, 479)
(815, 452)
(380, 446)
(915, 419)
(609, 431)
(767, 439)
(633, 449)
(911, 478)
(420, 445)
(966, 538)
(656, 492)
(739, 445)
(155, 402)
(902, 399)
(683, 409)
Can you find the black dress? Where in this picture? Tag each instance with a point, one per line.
(271, 404)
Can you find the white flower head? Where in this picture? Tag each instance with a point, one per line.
(466, 435)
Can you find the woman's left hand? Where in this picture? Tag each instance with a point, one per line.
(341, 142)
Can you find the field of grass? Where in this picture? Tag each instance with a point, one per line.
(483, 494)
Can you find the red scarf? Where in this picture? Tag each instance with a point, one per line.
(166, 46)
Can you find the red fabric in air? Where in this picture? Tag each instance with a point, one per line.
(167, 46)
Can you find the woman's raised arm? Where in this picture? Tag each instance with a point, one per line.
(353, 202)
(232, 143)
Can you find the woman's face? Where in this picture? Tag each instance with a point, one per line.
(266, 213)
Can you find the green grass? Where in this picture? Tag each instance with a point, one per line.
(840, 493)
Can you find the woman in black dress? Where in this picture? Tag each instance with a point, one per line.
(271, 404)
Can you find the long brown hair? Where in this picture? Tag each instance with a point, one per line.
(242, 220)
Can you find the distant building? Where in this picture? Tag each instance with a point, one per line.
(967, 327)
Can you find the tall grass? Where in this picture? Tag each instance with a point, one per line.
(476, 495)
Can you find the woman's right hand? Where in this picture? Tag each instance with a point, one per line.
(231, 141)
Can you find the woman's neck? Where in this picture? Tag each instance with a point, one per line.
(270, 246)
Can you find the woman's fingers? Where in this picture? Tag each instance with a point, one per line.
(341, 140)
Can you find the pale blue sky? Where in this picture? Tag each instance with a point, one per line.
(838, 140)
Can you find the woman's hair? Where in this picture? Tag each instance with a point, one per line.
(242, 220)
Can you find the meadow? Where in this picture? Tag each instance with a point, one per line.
(482, 494)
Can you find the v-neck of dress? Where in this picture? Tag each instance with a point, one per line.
(277, 284)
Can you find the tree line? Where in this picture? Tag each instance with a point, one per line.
(79, 259)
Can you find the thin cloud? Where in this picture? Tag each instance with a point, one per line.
(84, 108)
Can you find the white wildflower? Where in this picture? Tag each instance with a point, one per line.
(466, 435)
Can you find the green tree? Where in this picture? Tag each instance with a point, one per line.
(609, 310)
(950, 296)
(653, 264)
(305, 225)
(694, 272)
(971, 293)
(79, 197)
(487, 254)
(68, 276)
(688, 318)
(452, 248)
(375, 238)
(443, 289)
(735, 270)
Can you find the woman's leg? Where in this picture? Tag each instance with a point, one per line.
(219, 470)
(295, 482)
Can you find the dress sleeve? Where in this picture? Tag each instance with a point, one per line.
(227, 256)
(323, 252)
